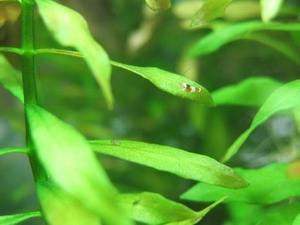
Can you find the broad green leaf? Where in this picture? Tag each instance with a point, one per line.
(72, 165)
(269, 9)
(267, 185)
(171, 83)
(60, 208)
(158, 4)
(4, 151)
(151, 208)
(249, 92)
(284, 216)
(211, 9)
(182, 163)
(297, 220)
(285, 97)
(18, 218)
(70, 29)
(215, 40)
(11, 78)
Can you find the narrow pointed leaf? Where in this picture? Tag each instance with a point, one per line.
(285, 97)
(152, 208)
(269, 9)
(4, 151)
(182, 163)
(267, 186)
(73, 167)
(158, 5)
(171, 83)
(250, 92)
(211, 9)
(11, 78)
(18, 218)
(60, 208)
(215, 40)
(69, 28)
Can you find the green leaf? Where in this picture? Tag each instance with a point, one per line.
(249, 92)
(215, 40)
(4, 151)
(70, 29)
(152, 208)
(72, 165)
(171, 83)
(60, 208)
(297, 220)
(267, 185)
(11, 78)
(269, 9)
(211, 9)
(284, 216)
(159, 4)
(285, 97)
(182, 163)
(18, 218)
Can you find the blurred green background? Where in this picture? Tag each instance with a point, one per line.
(133, 34)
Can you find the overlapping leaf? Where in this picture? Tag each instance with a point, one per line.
(182, 163)
(18, 218)
(158, 4)
(70, 29)
(269, 9)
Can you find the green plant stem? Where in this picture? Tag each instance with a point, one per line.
(29, 85)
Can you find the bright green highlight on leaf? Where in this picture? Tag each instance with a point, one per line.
(70, 29)
(152, 208)
(158, 4)
(11, 78)
(72, 165)
(211, 9)
(284, 216)
(4, 151)
(18, 218)
(269, 9)
(249, 92)
(217, 39)
(171, 83)
(182, 163)
(267, 185)
(285, 97)
(60, 208)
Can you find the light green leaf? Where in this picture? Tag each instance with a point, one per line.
(211, 9)
(215, 40)
(171, 83)
(284, 216)
(151, 208)
(70, 29)
(18, 218)
(249, 92)
(60, 208)
(267, 185)
(269, 9)
(159, 4)
(182, 163)
(4, 151)
(72, 165)
(297, 219)
(285, 97)
(11, 78)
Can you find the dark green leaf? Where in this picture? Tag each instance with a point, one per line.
(250, 92)
(285, 97)
(210, 10)
(72, 165)
(171, 83)
(267, 185)
(182, 163)
(17, 218)
(217, 39)
(11, 78)
(158, 4)
(69, 28)
(284, 216)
